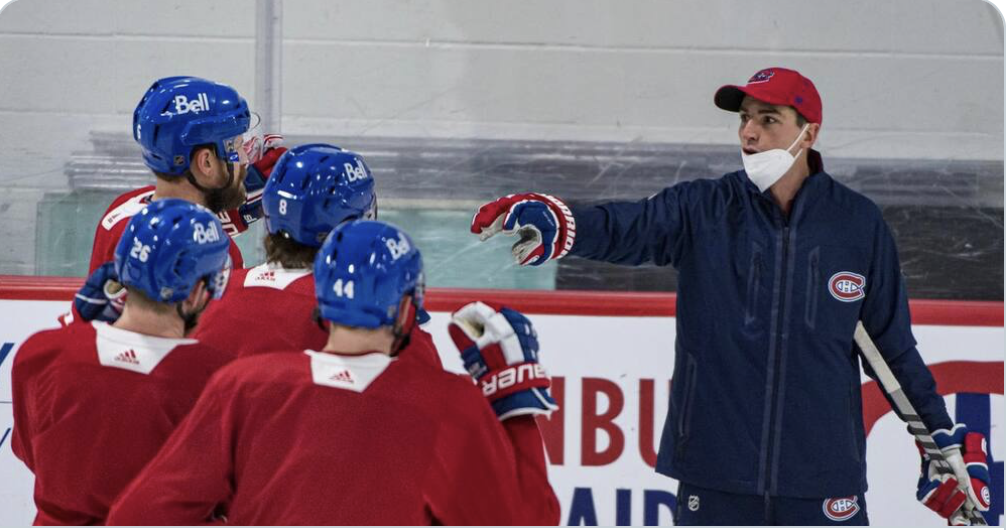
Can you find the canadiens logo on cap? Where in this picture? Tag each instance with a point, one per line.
(761, 77)
(840, 508)
(847, 286)
(776, 86)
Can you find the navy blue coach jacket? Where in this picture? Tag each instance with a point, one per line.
(765, 398)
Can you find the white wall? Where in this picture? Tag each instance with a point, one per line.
(899, 78)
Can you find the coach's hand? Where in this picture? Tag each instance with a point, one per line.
(947, 493)
(102, 297)
(545, 225)
(499, 348)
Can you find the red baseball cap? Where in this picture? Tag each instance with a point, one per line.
(778, 86)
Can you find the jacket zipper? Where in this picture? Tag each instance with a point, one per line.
(777, 365)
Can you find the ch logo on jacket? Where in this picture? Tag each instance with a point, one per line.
(847, 286)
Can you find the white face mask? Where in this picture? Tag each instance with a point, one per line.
(767, 167)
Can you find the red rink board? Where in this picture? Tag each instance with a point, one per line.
(586, 303)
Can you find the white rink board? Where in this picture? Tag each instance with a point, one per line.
(614, 356)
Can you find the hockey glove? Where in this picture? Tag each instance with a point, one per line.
(102, 297)
(237, 220)
(942, 492)
(545, 225)
(499, 349)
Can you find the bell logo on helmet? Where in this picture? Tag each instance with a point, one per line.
(398, 248)
(184, 105)
(355, 172)
(202, 235)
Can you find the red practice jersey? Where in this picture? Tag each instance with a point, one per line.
(114, 222)
(92, 405)
(269, 308)
(307, 438)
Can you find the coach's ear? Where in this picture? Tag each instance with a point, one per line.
(810, 137)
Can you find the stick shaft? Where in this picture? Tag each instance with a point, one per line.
(915, 424)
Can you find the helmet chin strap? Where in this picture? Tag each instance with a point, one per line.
(403, 327)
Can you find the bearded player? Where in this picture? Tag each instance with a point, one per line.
(192, 135)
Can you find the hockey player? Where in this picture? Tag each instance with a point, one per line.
(353, 434)
(313, 188)
(191, 131)
(93, 403)
(776, 265)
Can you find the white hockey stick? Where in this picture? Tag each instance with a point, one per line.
(915, 425)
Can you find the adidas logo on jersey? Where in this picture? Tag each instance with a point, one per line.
(128, 356)
(267, 276)
(184, 105)
(344, 376)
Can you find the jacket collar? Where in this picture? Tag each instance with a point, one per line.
(809, 191)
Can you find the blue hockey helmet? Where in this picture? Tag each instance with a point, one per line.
(363, 270)
(313, 188)
(179, 113)
(168, 247)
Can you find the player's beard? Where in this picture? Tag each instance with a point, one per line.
(229, 196)
(190, 319)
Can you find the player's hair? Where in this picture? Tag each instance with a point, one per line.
(290, 254)
(800, 120)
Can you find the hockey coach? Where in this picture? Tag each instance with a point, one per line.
(777, 263)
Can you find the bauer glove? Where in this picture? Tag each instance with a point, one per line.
(102, 297)
(943, 492)
(499, 348)
(545, 225)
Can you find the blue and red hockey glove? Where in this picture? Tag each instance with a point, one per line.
(263, 158)
(499, 348)
(102, 297)
(545, 225)
(946, 493)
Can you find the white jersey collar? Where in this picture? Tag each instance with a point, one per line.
(349, 372)
(128, 350)
(273, 275)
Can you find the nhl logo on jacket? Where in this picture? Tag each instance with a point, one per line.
(847, 286)
(840, 508)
